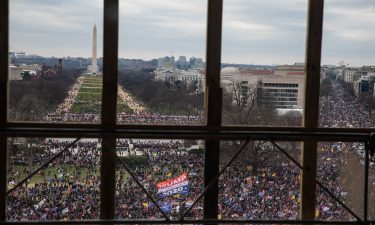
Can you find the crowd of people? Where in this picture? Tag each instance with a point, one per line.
(340, 109)
(134, 105)
(158, 119)
(67, 189)
(68, 102)
(126, 118)
(71, 187)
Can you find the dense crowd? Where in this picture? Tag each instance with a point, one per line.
(126, 118)
(341, 109)
(66, 106)
(158, 119)
(72, 189)
(68, 189)
(166, 160)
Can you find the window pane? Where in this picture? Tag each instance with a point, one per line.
(68, 188)
(341, 170)
(161, 68)
(55, 69)
(371, 193)
(263, 62)
(348, 72)
(261, 183)
(170, 170)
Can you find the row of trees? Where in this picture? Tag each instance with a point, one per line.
(161, 97)
(32, 100)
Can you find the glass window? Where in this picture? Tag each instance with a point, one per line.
(261, 183)
(171, 172)
(161, 65)
(347, 72)
(55, 61)
(341, 170)
(68, 188)
(264, 44)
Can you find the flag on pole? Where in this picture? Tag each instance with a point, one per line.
(173, 186)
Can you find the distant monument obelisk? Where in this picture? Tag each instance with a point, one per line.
(94, 64)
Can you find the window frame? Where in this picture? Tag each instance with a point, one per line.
(212, 132)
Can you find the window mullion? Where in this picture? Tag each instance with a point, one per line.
(4, 67)
(311, 112)
(4, 49)
(213, 104)
(109, 100)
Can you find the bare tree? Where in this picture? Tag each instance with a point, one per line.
(241, 106)
(326, 87)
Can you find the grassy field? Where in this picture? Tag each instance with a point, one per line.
(89, 98)
(92, 90)
(50, 172)
(86, 108)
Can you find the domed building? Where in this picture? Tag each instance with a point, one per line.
(229, 73)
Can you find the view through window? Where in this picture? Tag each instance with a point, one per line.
(161, 65)
(263, 69)
(55, 61)
(346, 101)
(56, 77)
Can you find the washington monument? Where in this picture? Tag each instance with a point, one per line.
(94, 64)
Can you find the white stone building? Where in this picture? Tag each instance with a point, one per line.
(284, 90)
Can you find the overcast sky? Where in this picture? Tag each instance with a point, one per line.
(254, 31)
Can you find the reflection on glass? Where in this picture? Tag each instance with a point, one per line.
(54, 66)
(67, 189)
(170, 170)
(161, 66)
(263, 55)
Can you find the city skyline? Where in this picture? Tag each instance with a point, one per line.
(180, 27)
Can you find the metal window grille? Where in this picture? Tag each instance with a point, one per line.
(211, 132)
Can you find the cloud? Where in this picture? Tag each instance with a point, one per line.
(254, 31)
(54, 28)
(264, 32)
(348, 32)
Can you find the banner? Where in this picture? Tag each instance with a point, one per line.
(177, 185)
(166, 207)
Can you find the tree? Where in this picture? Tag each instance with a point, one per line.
(161, 97)
(325, 87)
(32, 100)
(348, 87)
(243, 105)
(368, 101)
(240, 107)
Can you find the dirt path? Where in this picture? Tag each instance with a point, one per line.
(130, 101)
(72, 94)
